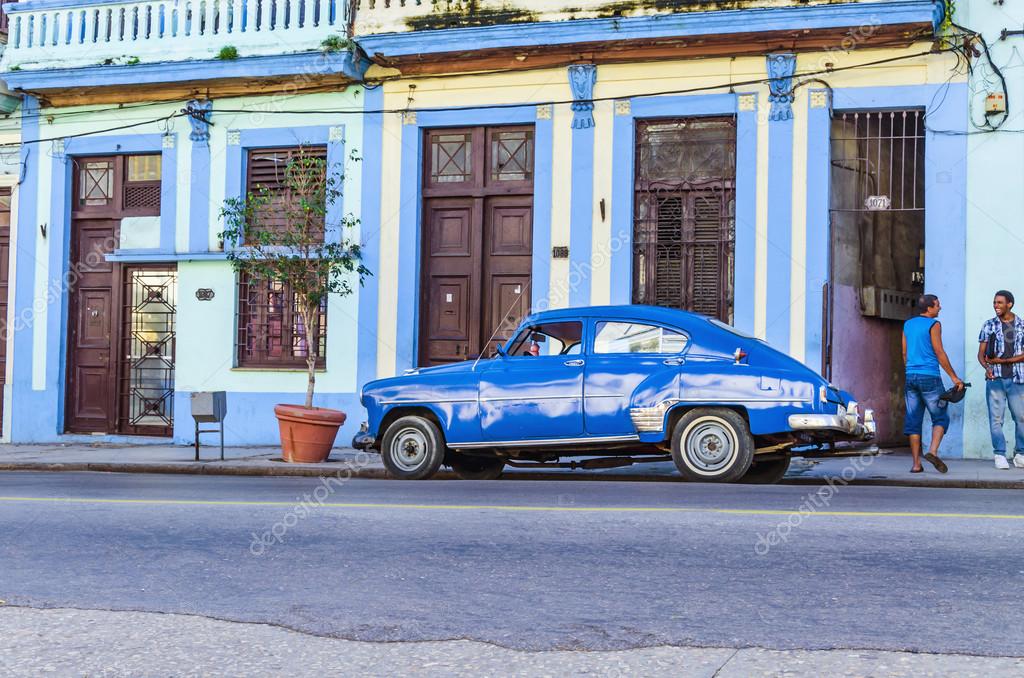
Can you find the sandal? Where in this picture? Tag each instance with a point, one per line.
(939, 465)
(917, 470)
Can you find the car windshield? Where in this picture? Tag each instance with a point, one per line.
(561, 338)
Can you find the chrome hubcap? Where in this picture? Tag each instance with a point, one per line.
(710, 446)
(409, 449)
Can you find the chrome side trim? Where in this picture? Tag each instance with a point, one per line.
(547, 441)
(528, 398)
(428, 402)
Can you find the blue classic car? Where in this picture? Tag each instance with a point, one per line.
(618, 385)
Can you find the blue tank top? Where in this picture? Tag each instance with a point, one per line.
(921, 357)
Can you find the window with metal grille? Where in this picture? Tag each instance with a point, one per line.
(684, 221)
(270, 328)
(141, 185)
(267, 173)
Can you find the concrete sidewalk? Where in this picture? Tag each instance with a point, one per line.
(891, 467)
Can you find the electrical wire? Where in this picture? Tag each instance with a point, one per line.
(803, 77)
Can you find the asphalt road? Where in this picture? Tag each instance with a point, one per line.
(530, 565)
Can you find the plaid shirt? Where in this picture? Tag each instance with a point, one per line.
(993, 328)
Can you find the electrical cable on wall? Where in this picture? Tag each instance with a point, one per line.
(802, 77)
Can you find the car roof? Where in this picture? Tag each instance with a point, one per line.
(670, 316)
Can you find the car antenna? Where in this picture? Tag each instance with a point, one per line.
(503, 319)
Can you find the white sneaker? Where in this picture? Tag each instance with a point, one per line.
(1001, 462)
(1018, 460)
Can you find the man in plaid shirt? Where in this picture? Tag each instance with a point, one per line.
(1001, 353)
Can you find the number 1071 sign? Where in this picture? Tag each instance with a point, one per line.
(877, 203)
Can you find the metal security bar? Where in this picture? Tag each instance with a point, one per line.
(885, 149)
(147, 357)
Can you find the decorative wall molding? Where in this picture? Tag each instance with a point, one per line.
(199, 113)
(746, 102)
(623, 107)
(336, 134)
(780, 69)
(582, 78)
(234, 137)
(819, 98)
(408, 117)
(169, 140)
(544, 112)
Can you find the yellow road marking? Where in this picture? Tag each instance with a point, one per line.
(503, 507)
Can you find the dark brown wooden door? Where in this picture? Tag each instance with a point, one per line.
(5, 271)
(91, 399)
(477, 240)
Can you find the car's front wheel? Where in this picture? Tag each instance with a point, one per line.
(469, 467)
(412, 448)
(712, 445)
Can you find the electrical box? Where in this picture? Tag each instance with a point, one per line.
(995, 103)
(888, 304)
(209, 406)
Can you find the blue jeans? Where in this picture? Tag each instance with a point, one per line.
(1003, 392)
(922, 393)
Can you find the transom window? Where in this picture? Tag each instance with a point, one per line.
(96, 182)
(564, 338)
(511, 155)
(270, 329)
(451, 157)
(626, 337)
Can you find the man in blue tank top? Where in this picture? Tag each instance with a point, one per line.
(923, 355)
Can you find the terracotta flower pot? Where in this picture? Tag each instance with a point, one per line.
(307, 433)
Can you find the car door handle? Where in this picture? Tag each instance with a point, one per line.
(573, 363)
(673, 361)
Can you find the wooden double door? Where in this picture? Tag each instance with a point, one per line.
(477, 247)
(121, 318)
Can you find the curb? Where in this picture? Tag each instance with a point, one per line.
(377, 473)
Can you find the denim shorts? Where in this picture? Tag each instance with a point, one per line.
(922, 392)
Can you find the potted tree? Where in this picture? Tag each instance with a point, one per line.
(282, 235)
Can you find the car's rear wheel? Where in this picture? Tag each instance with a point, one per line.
(712, 445)
(412, 448)
(766, 472)
(469, 467)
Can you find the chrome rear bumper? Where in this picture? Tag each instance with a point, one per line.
(846, 421)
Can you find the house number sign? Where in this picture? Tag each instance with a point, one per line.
(204, 294)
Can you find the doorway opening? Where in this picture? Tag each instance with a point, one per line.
(684, 222)
(876, 256)
(121, 319)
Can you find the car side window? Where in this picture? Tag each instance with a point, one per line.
(629, 337)
(560, 338)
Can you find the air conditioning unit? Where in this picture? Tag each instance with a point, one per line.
(878, 302)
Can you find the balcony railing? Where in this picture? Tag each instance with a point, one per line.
(73, 33)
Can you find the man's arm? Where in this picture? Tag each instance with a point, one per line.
(940, 353)
(985, 362)
(904, 349)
